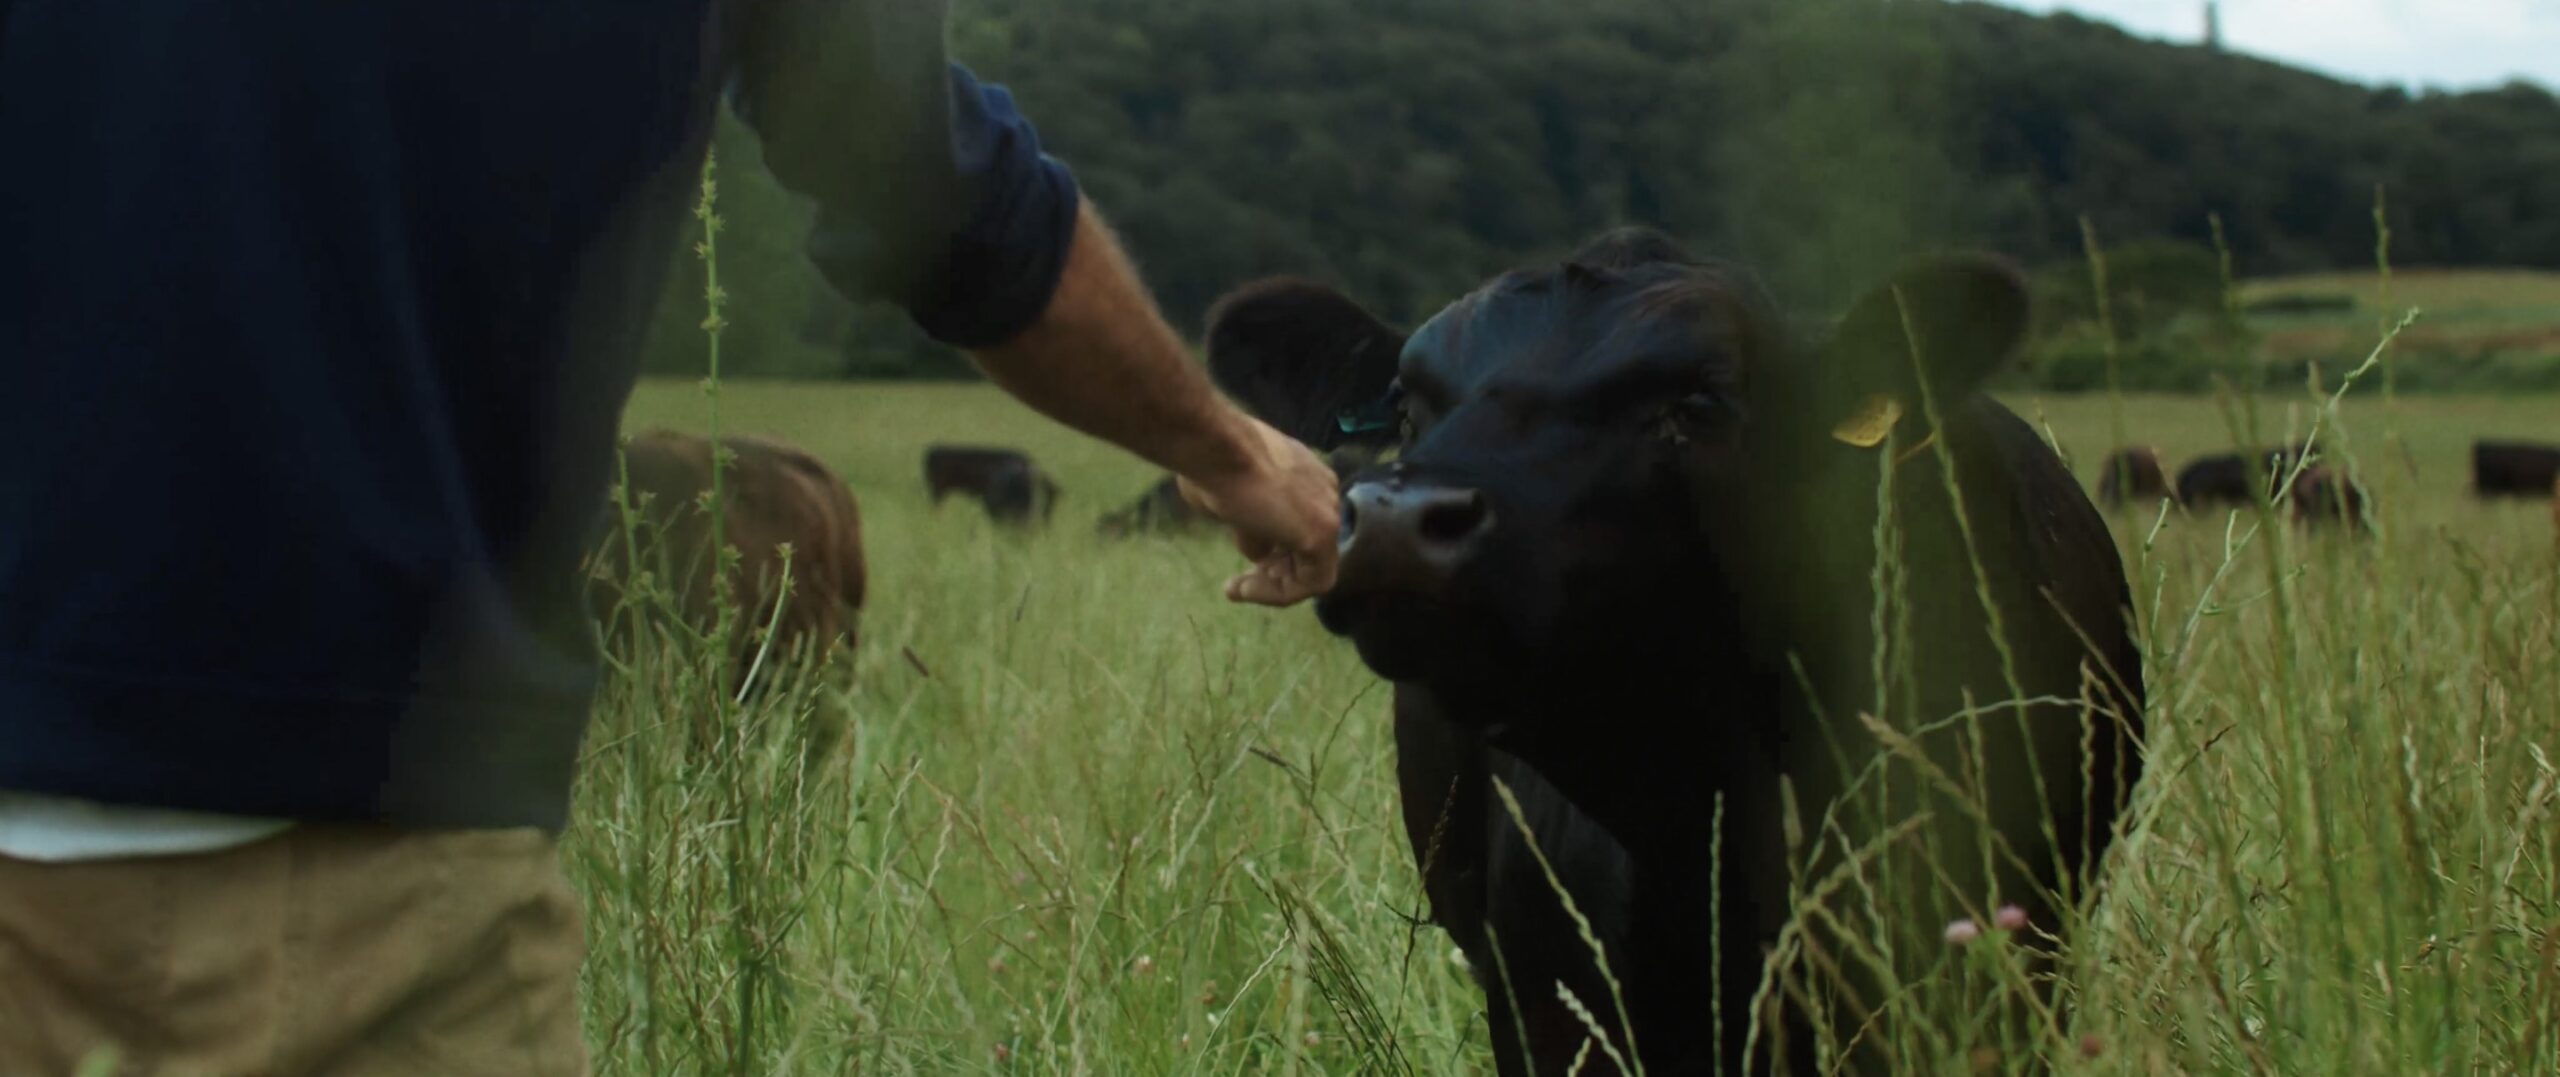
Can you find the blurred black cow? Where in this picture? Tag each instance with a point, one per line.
(2235, 479)
(1162, 510)
(2513, 468)
(2134, 475)
(1631, 525)
(1013, 489)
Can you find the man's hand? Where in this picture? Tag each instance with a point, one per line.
(1284, 509)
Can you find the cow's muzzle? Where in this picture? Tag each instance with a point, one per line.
(1408, 535)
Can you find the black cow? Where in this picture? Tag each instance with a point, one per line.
(1160, 510)
(2235, 479)
(2513, 468)
(1012, 488)
(1624, 566)
(2134, 475)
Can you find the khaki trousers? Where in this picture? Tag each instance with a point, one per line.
(325, 950)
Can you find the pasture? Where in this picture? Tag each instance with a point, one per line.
(2474, 317)
(1065, 811)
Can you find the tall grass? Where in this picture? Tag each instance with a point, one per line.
(1063, 811)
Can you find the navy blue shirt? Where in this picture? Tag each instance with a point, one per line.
(316, 323)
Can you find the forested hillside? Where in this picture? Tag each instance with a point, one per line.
(1407, 148)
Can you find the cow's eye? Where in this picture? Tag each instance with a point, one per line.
(1688, 416)
(1412, 413)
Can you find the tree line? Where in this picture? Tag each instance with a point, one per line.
(1407, 149)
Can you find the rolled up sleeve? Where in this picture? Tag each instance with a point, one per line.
(1002, 262)
(932, 188)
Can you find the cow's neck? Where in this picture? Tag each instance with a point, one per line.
(1642, 747)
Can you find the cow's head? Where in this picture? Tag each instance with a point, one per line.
(1578, 439)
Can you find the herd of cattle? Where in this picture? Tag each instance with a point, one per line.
(2322, 494)
(1610, 532)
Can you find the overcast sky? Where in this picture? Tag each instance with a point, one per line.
(2454, 44)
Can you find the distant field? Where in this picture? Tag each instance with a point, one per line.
(2466, 314)
(2451, 291)
(1067, 812)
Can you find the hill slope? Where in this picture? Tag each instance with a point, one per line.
(1408, 148)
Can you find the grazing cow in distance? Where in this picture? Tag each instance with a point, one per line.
(2513, 468)
(773, 495)
(1623, 566)
(1013, 489)
(1162, 509)
(2325, 497)
(1301, 357)
(2235, 479)
(2134, 475)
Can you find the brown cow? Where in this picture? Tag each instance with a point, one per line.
(774, 495)
(2324, 496)
(2133, 475)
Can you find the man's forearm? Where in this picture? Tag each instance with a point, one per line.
(1102, 360)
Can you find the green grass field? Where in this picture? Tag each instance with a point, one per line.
(1065, 811)
(2453, 292)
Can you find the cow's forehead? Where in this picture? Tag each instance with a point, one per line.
(1563, 325)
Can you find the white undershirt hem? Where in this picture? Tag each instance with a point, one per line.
(53, 829)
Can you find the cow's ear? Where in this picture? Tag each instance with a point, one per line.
(1948, 322)
(1305, 358)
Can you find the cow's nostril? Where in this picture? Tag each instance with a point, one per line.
(1454, 520)
(1350, 521)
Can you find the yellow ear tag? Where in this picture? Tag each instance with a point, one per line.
(1867, 426)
